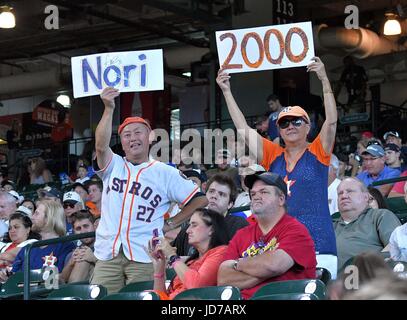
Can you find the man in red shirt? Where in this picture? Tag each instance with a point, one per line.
(275, 248)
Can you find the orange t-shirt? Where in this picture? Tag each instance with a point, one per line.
(202, 272)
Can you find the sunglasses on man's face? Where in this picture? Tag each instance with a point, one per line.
(69, 205)
(296, 122)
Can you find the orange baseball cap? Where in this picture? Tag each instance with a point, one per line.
(294, 111)
(129, 120)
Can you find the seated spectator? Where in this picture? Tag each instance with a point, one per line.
(243, 198)
(39, 174)
(222, 160)
(376, 169)
(394, 137)
(49, 193)
(30, 204)
(376, 199)
(94, 203)
(221, 195)
(7, 185)
(392, 156)
(72, 202)
(333, 183)
(80, 189)
(387, 288)
(261, 125)
(81, 262)
(206, 233)
(275, 248)
(359, 227)
(8, 206)
(370, 266)
(275, 107)
(18, 236)
(49, 221)
(82, 174)
(398, 239)
(398, 244)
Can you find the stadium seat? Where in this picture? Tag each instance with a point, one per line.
(399, 207)
(137, 295)
(210, 293)
(288, 296)
(82, 291)
(170, 273)
(398, 266)
(323, 274)
(309, 286)
(138, 286)
(14, 286)
(336, 215)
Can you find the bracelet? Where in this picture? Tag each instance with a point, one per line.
(159, 275)
(235, 264)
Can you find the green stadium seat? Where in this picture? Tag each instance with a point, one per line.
(397, 266)
(323, 274)
(309, 286)
(137, 295)
(138, 286)
(288, 296)
(398, 206)
(170, 273)
(336, 215)
(82, 291)
(210, 293)
(14, 286)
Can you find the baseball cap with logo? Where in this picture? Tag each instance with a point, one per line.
(294, 111)
(129, 120)
(375, 150)
(270, 178)
(72, 196)
(391, 133)
(392, 147)
(50, 192)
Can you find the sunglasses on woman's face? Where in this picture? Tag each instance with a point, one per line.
(296, 122)
(69, 205)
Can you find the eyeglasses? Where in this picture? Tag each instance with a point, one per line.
(369, 159)
(69, 205)
(296, 122)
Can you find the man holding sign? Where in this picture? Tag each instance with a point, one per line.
(303, 165)
(137, 193)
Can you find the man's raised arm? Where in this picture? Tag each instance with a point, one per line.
(103, 132)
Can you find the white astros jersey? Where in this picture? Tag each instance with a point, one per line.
(134, 201)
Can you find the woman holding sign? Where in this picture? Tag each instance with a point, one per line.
(303, 165)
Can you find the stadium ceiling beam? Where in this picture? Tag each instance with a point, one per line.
(197, 14)
(164, 32)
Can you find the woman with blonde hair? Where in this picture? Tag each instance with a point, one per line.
(49, 221)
